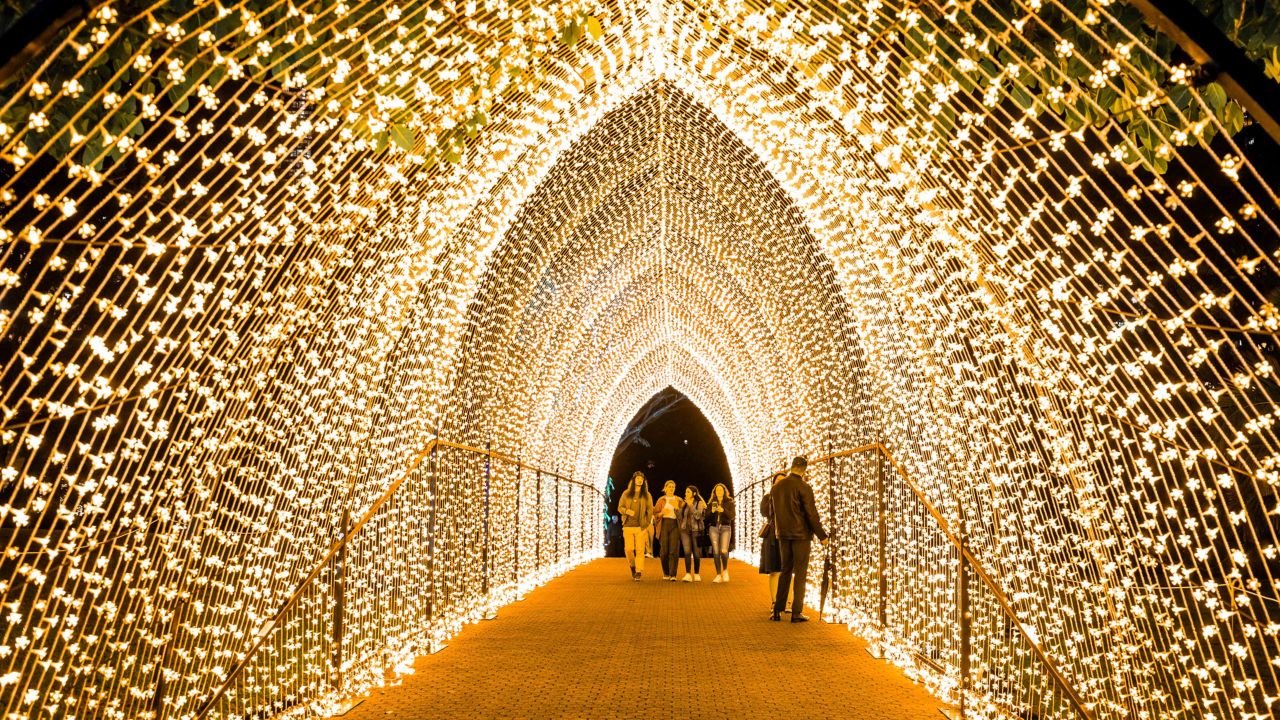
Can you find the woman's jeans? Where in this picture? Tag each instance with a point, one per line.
(633, 540)
(669, 539)
(689, 541)
(720, 537)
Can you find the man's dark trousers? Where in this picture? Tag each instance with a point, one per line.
(795, 560)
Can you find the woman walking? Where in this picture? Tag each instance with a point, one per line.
(691, 526)
(666, 512)
(720, 528)
(636, 509)
(770, 555)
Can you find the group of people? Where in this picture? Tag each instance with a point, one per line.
(791, 523)
(678, 523)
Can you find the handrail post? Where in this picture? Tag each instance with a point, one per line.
(831, 516)
(488, 475)
(882, 537)
(515, 561)
(157, 698)
(537, 528)
(556, 551)
(339, 581)
(431, 540)
(966, 627)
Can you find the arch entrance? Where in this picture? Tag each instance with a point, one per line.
(668, 438)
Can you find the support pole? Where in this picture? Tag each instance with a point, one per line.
(831, 520)
(556, 549)
(488, 477)
(431, 541)
(157, 698)
(339, 581)
(883, 581)
(966, 630)
(515, 561)
(537, 534)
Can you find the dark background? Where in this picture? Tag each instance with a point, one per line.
(668, 439)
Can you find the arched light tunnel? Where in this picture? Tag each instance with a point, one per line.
(322, 322)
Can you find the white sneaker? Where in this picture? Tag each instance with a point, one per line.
(687, 578)
(717, 579)
(697, 578)
(726, 576)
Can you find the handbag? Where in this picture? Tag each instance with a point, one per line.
(766, 528)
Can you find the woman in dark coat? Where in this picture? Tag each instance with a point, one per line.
(770, 556)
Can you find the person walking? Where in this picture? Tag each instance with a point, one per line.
(666, 513)
(796, 522)
(636, 509)
(770, 557)
(691, 527)
(720, 528)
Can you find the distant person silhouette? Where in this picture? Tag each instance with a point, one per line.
(636, 509)
(796, 522)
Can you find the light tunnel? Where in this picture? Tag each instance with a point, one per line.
(321, 322)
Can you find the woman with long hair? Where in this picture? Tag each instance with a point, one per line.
(666, 513)
(770, 555)
(720, 528)
(691, 526)
(636, 509)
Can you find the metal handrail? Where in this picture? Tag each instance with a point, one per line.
(339, 544)
(987, 578)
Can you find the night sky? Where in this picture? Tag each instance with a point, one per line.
(669, 439)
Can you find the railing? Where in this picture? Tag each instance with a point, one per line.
(903, 572)
(436, 549)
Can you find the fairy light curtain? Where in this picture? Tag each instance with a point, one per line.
(257, 255)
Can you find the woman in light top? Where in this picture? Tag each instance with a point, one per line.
(636, 509)
(666, 514)
(691, 527)
(720, 528)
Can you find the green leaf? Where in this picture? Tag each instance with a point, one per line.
(594, 27)
(404, 137)
(1215, 97)
(380, 141)
(1233, 118)
(1107, 96)
(1232, 12)
(1021, 97)
(571, 34)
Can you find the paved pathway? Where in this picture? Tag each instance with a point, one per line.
(593, 644)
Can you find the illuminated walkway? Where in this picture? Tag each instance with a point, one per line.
(593, 644)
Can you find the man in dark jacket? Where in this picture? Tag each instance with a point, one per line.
(796, 521)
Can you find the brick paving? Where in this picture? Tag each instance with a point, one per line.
(594, 644)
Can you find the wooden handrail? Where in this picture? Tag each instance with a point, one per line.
(1002, 598)
(263, 633)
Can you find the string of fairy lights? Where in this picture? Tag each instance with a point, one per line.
(257, 256)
